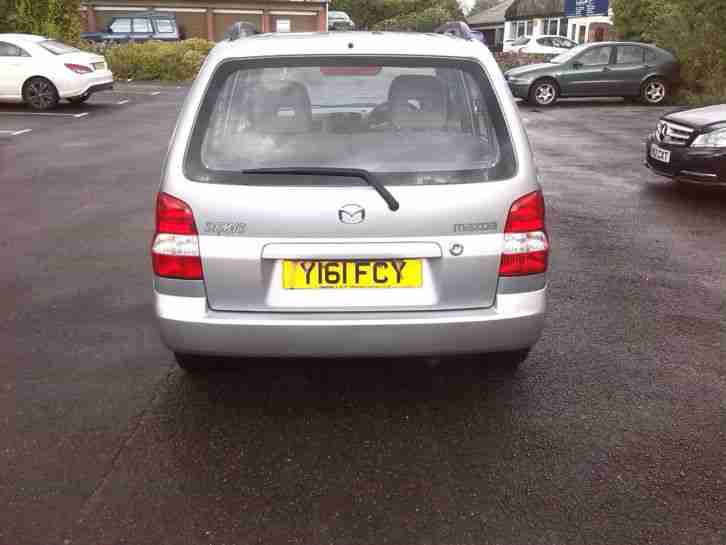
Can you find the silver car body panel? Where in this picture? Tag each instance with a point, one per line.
(457, 309)
(188, 325)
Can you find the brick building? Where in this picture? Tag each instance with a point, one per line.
(205, 19)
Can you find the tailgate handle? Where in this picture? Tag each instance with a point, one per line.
(365, 250)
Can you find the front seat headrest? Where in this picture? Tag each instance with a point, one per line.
(418, 102)
(282, 107)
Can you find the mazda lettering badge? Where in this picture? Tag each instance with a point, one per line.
(351, 213)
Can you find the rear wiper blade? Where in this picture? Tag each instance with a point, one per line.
(363, 174)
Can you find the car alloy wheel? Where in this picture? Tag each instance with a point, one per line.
(654, 92)
(41, 94)
(545, 93)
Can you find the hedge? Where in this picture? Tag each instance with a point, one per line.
(163, 61)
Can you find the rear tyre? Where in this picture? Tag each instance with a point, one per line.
(544, 93)
(79, 100)
(654, 91)
(191, 363)
(40, 94)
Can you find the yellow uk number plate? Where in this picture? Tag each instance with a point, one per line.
(384, 273)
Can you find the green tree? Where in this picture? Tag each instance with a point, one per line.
(58, 19)
(372, 13)
(691, 29)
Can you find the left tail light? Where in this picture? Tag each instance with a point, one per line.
(78, 68)
(175, 249)
(526, 246)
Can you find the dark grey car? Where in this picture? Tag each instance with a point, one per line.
(622, 69)
(138, 27)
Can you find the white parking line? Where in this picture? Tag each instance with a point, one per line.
(84, 114)
(125, 92)
(16, 133)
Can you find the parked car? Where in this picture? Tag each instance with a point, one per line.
(138, 27)
(690, 146)
(544, 45)
(461, 30)
(41, 72)
(240, 29)
(514, 45)
(293, 220)
(340, 20)
(601, 69)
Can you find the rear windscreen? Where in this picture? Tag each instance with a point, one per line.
(408, 121)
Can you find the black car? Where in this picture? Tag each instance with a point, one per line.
(690, 146)
(602, 69)
(138, 27)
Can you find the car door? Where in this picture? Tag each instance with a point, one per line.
(628, 71)
(587, 74)
(14, 62)
(141, 29)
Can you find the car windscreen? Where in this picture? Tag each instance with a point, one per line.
(57, 48)
(568, 55)
(413, 121)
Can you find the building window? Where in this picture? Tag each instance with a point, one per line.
(563, 27)
(550, 27)
(499, 36)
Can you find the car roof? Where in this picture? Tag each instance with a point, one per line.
(349, 43)
(640, 44)
(149, 13)
(26, 38)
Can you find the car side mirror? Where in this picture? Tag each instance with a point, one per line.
(576, 65)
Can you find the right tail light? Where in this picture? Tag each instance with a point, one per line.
(526, 247)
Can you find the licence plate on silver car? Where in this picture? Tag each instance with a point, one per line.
(660, 154)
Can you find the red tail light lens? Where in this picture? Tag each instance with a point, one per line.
(174, 216)
(175, 249)
(526, 247)
(79, 68)
(526, 214)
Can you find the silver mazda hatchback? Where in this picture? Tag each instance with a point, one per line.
(349, 194)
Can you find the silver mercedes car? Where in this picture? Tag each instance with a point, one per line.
(349, 194)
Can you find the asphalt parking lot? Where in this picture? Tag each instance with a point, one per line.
(613, 432)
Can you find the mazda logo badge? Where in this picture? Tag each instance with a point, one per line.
(351, 213)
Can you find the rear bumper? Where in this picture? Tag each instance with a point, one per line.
(89, 85)
(188, 326)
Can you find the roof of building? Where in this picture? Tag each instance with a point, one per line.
(528, 9)
(491, 16)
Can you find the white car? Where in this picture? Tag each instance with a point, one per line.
(540, 45)
(41, 72)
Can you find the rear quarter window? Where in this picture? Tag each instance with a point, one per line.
(165, 26)
(418, 121)
(651, 56)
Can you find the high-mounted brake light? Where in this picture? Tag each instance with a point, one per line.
(526, 247)
(79, 68)
(175, 249)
